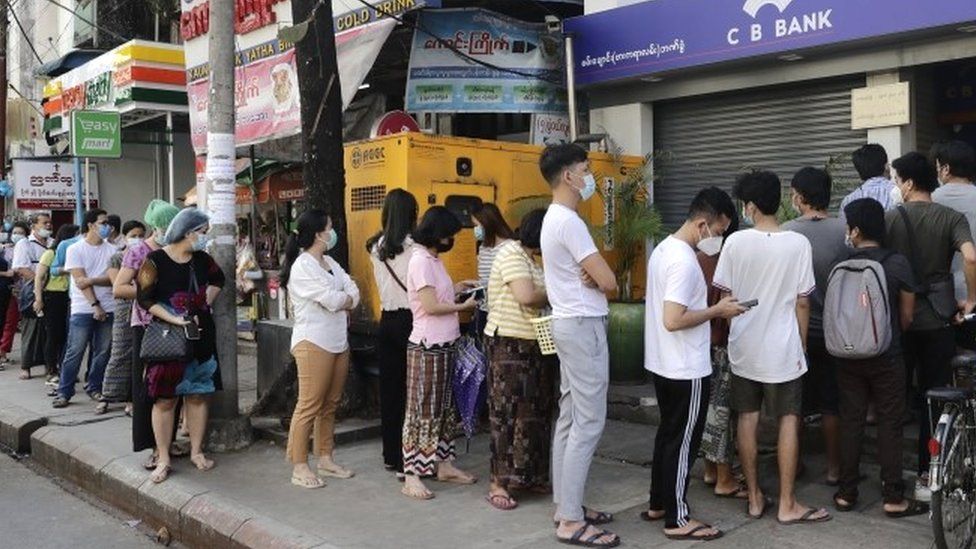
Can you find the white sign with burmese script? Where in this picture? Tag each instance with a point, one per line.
(49, 184)
(881, 106)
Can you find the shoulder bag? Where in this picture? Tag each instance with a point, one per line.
(165, 342)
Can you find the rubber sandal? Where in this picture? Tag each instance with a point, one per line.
(596, 518)
(501, 502)
(160, 475)
(101, 408)
(207, 464)
(310, 483)
(24, 375)
(806, 518)
(914, 508)
(60, 402)
(690, 535)
(648, 518)
(458, 479)
(423, 496)
(844, 507)
(336, 473)
(151, 463)
(766, 503)
(576, 538)
(741, 492)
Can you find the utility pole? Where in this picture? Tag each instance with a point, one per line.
(3, 91)
(229, 430)
(321, 94)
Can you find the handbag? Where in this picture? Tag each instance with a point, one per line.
(939, 294)
(165, 342)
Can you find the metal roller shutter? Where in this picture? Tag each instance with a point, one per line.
(709, 140)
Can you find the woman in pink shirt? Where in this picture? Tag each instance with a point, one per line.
(431, 421)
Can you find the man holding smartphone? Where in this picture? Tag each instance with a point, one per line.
(677, 344)
(92, 307)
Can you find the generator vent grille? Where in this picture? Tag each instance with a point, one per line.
(368, 198)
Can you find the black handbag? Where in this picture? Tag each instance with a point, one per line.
(165, 342)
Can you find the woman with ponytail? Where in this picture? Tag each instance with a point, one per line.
(321, 295)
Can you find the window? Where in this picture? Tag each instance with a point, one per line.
(463, 206)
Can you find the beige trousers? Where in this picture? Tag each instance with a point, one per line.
(321, 378)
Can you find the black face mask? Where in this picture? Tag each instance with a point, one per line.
(444, 248)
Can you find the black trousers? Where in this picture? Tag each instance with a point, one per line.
(391, 343)
(684, 405)
(881, 381)
(929, 353)
(56, 312)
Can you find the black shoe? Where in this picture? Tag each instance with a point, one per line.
(60, 402)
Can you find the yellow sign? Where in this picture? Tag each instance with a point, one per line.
(881, 106)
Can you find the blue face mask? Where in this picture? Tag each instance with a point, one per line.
(331, 239)
(479, 233)
(7, 226)
(201, 243)
(104, 231)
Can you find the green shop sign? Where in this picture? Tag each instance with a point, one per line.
(96, 134)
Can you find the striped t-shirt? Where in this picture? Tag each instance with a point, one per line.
(486, 257)
(506, 317)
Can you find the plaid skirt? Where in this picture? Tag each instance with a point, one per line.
(521, 405)
(718, 439)
(431, 422)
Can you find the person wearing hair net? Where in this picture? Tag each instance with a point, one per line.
(177, 285)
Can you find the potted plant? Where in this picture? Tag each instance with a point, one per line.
(632, 223)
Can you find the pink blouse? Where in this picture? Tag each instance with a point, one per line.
(425, 270)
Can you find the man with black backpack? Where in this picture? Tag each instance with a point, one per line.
(929, 234)
(869, 302)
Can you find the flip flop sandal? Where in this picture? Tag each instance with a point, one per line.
(806, 518)
(914, 508)
(576, 538)
(844, 507)
(741, 492)
(690, 535)
(766, 503)
(101, 408)
(161, 476)
(596, 518)
(24, 375)
(423, 496)
(310, 483)
(465, 481)
(207, 464)
(151, 463)
(648, 518)
(501, 502)
(336, 473)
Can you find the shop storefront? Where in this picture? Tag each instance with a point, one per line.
(718, 87)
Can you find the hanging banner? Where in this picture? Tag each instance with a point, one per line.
(440, 80)
(349, 14)
(48, 184)
(356, 51)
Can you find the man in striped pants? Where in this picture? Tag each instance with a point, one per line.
(677, 346)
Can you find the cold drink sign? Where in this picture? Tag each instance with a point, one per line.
(665, 35)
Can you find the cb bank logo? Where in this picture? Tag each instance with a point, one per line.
(781, 27)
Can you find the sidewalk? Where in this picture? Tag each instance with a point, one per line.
(247, 500)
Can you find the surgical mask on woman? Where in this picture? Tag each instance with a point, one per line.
(17, 237)
(200, 243)
(331, 239)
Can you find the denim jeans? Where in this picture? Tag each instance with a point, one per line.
(85, 332)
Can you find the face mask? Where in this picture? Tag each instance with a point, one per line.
(133, 242)
(17, 238)
(444, 248)
(201, 243)
(104, 231)
(710, 245)
(46, 233)
(7, 226)
(589, 187)
(848, 241)
(479, 233)
(896, 197)
(331, 239)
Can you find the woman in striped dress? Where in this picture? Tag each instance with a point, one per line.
(431, 422)
(491, 231)
(521, 381)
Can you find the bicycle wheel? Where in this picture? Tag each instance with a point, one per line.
(954, 503)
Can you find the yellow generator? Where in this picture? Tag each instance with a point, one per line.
(461, 174)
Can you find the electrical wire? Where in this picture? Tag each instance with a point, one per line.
(84, 20)
(13, 13)
(455, 50)
(25, 98)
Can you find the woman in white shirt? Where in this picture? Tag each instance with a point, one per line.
(321, 295)
(389, 252)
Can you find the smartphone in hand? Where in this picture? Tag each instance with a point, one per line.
(192, 331)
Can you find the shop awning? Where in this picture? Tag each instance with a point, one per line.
(67, 62)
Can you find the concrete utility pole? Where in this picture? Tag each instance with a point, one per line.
(3, 91)
(318, 85)
(229, 430)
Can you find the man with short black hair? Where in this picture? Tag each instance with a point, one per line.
(811, 198)
(27, 254)
(92, 306)
(577, 281)
(871, 163)
(929, 235)
(766, 346)
(677, 338)
(955, 165)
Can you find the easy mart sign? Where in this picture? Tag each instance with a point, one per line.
(96, 134)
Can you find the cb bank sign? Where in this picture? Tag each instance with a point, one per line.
(794, 25)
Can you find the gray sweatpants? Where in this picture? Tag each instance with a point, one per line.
(584, 365)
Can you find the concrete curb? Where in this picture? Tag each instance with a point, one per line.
(16, 427)
(192, 514)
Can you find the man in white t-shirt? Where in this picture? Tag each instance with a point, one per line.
(27, 254)
(92, 306)
(677, 337)
(766, 346)
(577, 280)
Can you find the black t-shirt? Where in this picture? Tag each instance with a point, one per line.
(898, 278)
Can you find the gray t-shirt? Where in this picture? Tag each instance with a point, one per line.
(962, 198)
(826, 237)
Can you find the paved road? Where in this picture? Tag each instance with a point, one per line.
(37, 513)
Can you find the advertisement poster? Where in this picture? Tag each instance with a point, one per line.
(49, 184)
(440, 80)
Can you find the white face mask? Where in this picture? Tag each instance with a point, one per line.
(44, 233)
(746, 218)
(896, 197)
(17, 238)
(711, 245)
(133, 242)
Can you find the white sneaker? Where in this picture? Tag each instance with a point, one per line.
(922, 490)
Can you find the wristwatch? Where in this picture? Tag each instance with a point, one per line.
(96, 303)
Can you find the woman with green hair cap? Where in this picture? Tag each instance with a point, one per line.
(159, 214)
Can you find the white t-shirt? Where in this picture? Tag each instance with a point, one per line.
(673, 274)
(95, 261)
(775, 268)
(392, 295)
(566, 242)
(27, 253)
